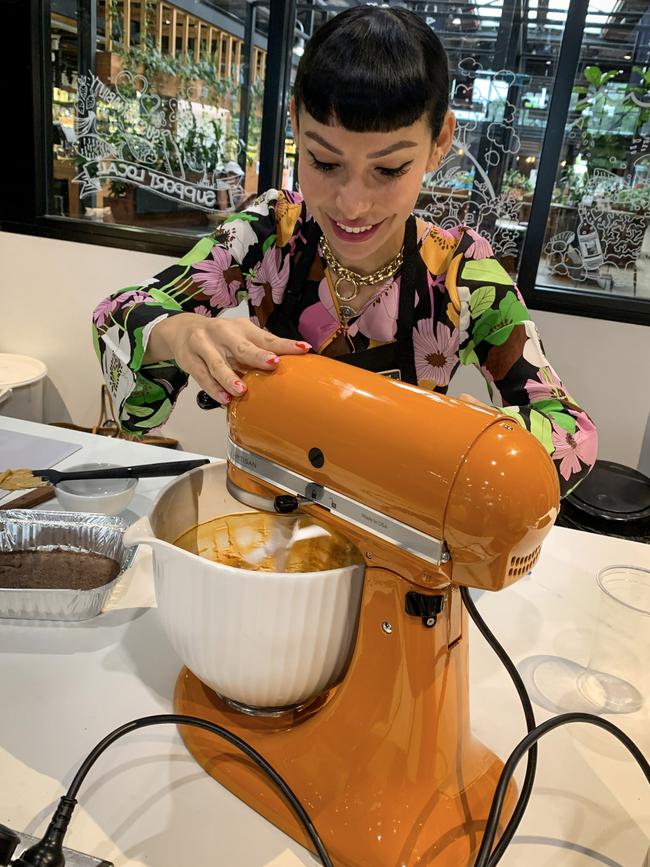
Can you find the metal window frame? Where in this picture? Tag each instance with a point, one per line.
(24, 208)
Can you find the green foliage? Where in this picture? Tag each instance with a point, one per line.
(517, 182)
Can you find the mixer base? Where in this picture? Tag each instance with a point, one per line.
(361, 823)
(385, 763)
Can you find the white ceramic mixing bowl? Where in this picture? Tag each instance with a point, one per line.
(263, 639)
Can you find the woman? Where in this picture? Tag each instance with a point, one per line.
(344, 267)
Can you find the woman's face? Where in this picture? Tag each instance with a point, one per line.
(362, 186)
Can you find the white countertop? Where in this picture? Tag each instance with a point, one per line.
(147, 802)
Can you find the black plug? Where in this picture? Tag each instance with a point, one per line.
(8, 842)
(48, 852)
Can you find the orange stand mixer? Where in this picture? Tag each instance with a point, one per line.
(435, 493)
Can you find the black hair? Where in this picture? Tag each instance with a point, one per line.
(374, 69)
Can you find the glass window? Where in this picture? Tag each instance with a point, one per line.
(150, 133)
(502, 68)
(597, 234)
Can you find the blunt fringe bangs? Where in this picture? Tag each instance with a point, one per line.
(374, 69)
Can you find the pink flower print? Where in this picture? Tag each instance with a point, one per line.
(480, 248)
(436, 281)
(436, 355)
(379, 320)
(103, 311)
(267, 273)
(570, 449)
(487, 375)
(134, 296)
(548, 388)
(317, 324)
(202, 310)
(454, 233)
(210, 276)
(293, 197)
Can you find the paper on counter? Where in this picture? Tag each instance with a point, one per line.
(24, 450)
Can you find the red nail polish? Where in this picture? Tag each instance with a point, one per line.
(301, 344)
(239, 386)
(273, 359)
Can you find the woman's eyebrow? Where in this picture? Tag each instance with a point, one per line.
(391, 148)
(399, 145)
(323, 142)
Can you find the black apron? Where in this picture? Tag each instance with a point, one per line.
(392, 359)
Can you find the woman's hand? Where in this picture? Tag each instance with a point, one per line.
(215, 352)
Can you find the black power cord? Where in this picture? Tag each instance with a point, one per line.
(486, 857)
(483, 857)
(531, 766)
(48, 851)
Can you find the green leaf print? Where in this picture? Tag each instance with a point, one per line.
(249, 218)
(146, 392)
(565, 421)
(467, 354)
(138, 351)
(137, 410)
(555, 411)
(158, 417)
(481, 300)
(548, 406)
(96, 346)
(540, 427)
(270, 241)
(485, 270)
(165, 300)
(514, 413)
(495, 326)
(198, 252)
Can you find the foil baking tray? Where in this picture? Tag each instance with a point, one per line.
(32, 530)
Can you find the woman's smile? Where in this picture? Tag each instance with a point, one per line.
(354, 231)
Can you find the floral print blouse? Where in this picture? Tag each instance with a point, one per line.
(468, 313)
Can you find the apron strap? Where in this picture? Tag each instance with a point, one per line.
(300, 272)
(408, 281)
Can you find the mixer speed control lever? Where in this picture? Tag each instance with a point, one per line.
(424, 606)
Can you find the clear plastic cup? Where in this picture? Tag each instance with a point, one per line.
(617, 676)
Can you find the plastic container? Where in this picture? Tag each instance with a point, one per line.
(99, 496)
(24, 376)
(617, 677)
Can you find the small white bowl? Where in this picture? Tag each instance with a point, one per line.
(100, 496)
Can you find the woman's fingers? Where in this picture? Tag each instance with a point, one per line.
(199, 371)
(276, 345)
(217, 352)
(224, 374)
(246, 355)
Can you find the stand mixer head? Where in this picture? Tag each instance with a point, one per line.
(434, 493)
(454, 491)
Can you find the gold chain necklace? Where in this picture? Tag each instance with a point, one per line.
(357, 280)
